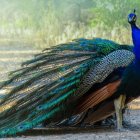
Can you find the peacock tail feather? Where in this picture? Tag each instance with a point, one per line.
(47, 87)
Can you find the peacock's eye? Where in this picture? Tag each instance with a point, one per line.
(134, 18)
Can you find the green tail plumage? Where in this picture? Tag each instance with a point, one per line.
(46, 87)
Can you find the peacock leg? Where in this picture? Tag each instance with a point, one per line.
(119, 104)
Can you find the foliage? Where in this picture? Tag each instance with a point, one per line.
(114, 13)
(48, 22)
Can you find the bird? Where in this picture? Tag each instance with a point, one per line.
(69, 79)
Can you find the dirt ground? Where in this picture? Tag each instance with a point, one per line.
(86, 136)
(10, 58)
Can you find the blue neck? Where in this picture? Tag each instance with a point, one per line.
(136, 40)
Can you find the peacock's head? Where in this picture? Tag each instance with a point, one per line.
(132, 17)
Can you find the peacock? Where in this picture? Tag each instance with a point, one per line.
(69, 79)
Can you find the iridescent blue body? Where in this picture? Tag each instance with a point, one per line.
(131, 76)
(136, 40)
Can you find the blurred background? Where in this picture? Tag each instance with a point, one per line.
(43, 23)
